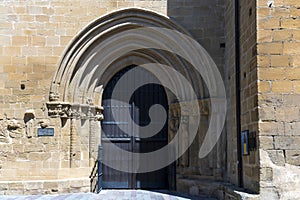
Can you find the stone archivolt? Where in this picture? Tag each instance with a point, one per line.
(96, 54)
(85, 68)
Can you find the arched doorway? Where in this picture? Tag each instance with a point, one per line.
(124, 38)
(122, 134)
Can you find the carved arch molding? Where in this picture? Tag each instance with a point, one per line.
(92, 58)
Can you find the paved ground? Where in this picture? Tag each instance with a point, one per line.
(105, 195)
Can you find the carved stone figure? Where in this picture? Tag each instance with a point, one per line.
(29, 126)
(53, 96)
(3, 133)
(29, 120)
(14, 128)
(44, 124)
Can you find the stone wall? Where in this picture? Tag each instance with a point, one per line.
(204, 20)
(44, 186)
(278, 89)
(229, 79)
(34, 36)
(249, 113)
(248, 89)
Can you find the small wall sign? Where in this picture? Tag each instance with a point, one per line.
(245, 143)
(45, 132)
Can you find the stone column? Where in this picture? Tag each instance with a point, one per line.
(184, 141)
(74, 115)
(92, 142)
(73, 142)
(95, 132)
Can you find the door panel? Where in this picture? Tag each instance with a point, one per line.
(118, 138)
(139, 105)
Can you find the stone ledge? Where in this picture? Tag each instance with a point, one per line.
(235, 193)
(33, 187)
(213, 189)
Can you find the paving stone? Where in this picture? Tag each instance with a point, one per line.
(105, 195)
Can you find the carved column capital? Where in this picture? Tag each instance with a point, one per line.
(53, 96)
(75, 111)
(98, 114)
(58, 109)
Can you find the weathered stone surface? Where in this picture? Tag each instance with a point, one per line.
(35, 34)
(43, 187)
(285, 182)
(269, 193)
(287, 142)
(271, 128)
(266, 142)
(33, 185)
(266, 174)
(4, 186)
(277, 157)
(50, 185)
(293, 157)
(267, 113)
(283, 96)
(292, 128)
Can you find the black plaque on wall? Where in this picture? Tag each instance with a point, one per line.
(45, 131)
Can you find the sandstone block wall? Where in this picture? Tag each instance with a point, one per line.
(278, 27)
(35, 34)
(33, 37)
(229, 80)
(44, 187)
(248, 82)
(248, 91)
(204, 20)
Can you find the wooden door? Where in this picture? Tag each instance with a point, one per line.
(140, 102)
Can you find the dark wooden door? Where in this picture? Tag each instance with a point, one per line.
(142, 99)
